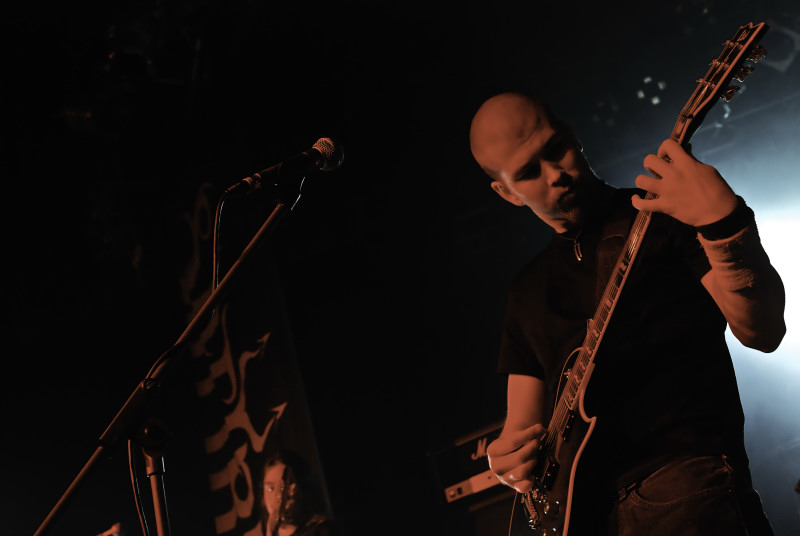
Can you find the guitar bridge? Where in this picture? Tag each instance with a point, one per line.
(540, 509)
(534, 522)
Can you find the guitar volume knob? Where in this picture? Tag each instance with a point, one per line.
(551, 508)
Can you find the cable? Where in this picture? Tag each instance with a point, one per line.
(215, 242)
(214, 283)
(137, 494)
(511, 518)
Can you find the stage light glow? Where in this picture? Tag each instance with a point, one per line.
(768, 383)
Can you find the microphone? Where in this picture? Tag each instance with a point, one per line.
(324, 155)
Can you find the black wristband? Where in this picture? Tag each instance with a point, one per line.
(741, 217)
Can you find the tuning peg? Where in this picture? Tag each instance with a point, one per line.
(757, 53)
(729, 92)
(742, 72)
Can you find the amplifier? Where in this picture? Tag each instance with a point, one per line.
(462, 469)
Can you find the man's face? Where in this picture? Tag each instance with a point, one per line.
(533, 161)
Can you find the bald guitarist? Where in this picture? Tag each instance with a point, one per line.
(657, 422)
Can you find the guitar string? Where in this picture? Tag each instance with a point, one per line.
(610, 295)
(640, 224)
(561, 415)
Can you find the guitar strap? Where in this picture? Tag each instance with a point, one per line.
(612, 240)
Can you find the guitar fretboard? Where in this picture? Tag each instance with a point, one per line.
(597, 326)
(711, 87)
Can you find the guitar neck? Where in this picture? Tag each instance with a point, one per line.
(597, 325)
(549, 503)
(714, 85)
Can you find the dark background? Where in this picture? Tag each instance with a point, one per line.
(393, 268)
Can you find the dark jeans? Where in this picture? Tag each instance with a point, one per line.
(690, 497)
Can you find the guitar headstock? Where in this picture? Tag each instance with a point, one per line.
(715, 85)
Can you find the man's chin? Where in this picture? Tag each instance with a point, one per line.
(567, 221)
(571, 202)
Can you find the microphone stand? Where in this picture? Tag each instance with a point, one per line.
(129, 416)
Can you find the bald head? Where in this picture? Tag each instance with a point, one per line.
(534, 159)
(503, 122)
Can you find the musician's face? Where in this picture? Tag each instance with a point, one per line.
(533, 162)
(273, 488)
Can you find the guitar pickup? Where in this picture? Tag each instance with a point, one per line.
(568, 426)
(549, 474)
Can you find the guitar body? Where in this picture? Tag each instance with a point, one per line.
(550, 503)
(557, 475)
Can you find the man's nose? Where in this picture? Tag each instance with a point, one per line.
(555, 175)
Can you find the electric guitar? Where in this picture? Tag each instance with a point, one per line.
(549, 503)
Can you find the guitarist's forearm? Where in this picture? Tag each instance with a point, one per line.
(743, 282)
(760, 328)
(755, 314)
(525, 402)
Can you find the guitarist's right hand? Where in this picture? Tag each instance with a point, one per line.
(513, 455)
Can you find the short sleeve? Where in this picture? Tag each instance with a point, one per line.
(516, 355)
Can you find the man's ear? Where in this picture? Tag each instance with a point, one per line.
(503, 192)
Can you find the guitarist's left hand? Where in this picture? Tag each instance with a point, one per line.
(687, 189)
(746, 287)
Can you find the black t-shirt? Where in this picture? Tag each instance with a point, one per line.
(663, 383)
